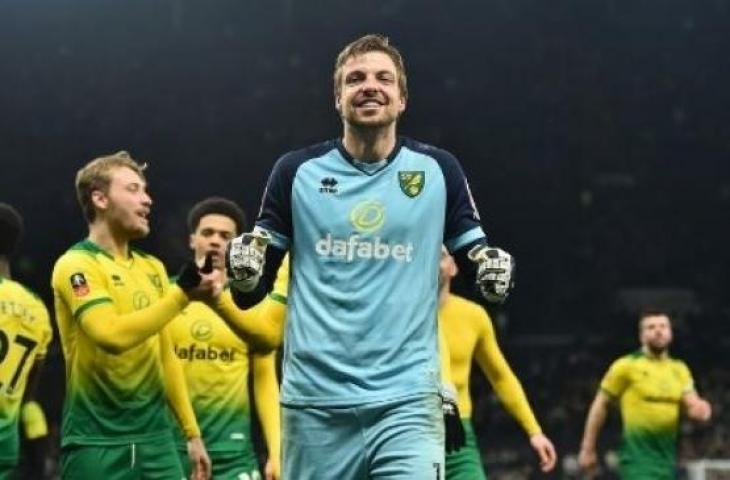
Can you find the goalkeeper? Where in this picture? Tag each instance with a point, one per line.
(364, 217)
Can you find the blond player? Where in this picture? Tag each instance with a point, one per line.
(113, 304)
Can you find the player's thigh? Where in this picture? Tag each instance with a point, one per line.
(407, 441)
(235, 466)
(466, 464)
(322, 444)
(110, 462)
(158, 460)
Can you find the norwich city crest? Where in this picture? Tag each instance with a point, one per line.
(411, 182)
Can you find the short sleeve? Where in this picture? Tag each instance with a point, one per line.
(616, 379)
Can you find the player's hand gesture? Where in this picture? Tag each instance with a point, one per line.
(245, 258)
(199, 459)
(545, 451)
(495, 272)
(200, 282)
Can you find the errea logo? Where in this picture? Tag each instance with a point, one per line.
(366, 217)
(329, 185)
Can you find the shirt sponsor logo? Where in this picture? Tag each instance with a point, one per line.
(140, 300)
(79, 285)
(194, 352)
(356, 247)
(366, 217)
(201, 330)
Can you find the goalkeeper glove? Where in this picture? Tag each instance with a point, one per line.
(453, 428)
(495, 272)
(245, 257)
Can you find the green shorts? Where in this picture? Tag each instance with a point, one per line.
(466, 464)
(130, 461)
(8, 472)
(227, 465)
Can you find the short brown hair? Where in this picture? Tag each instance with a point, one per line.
(96, 175)
(366, 44)
(652, 311)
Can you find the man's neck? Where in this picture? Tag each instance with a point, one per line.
(104, 236)
(369, 144)
(651, 354)
(4, 267)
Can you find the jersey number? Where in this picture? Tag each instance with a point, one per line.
(27, 343)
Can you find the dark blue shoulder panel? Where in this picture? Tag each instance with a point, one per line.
(275, 212)
(461, 211)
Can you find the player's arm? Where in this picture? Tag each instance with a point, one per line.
(179, 401)
(455, 436)
(253, 259)
(587, 458)
(444, 357)
(117, 333)
(176, 387)
(613, 384)
(79, 282)
(508, 388)
(266, 396)
(490, 269)
(262, 326)
(695, 407)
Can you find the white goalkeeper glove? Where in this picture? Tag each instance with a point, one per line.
(495, 272)
(245, 258)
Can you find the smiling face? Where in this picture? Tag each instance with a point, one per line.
(125, 204)
(369, 93)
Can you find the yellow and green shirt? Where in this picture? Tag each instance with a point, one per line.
(216, 366)
(650, 391)
(25, 332)
(110, 398)
(470, 336)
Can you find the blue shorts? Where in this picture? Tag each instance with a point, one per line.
(396, 440)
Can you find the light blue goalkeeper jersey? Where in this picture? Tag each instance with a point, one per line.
(365, 244)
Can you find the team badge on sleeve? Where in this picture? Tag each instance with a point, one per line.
(79, 285)
(411, 182)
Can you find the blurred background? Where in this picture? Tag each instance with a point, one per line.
(596, 137)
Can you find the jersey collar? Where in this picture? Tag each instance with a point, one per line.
(352, 161)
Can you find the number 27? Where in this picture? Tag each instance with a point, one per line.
(27, 343)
